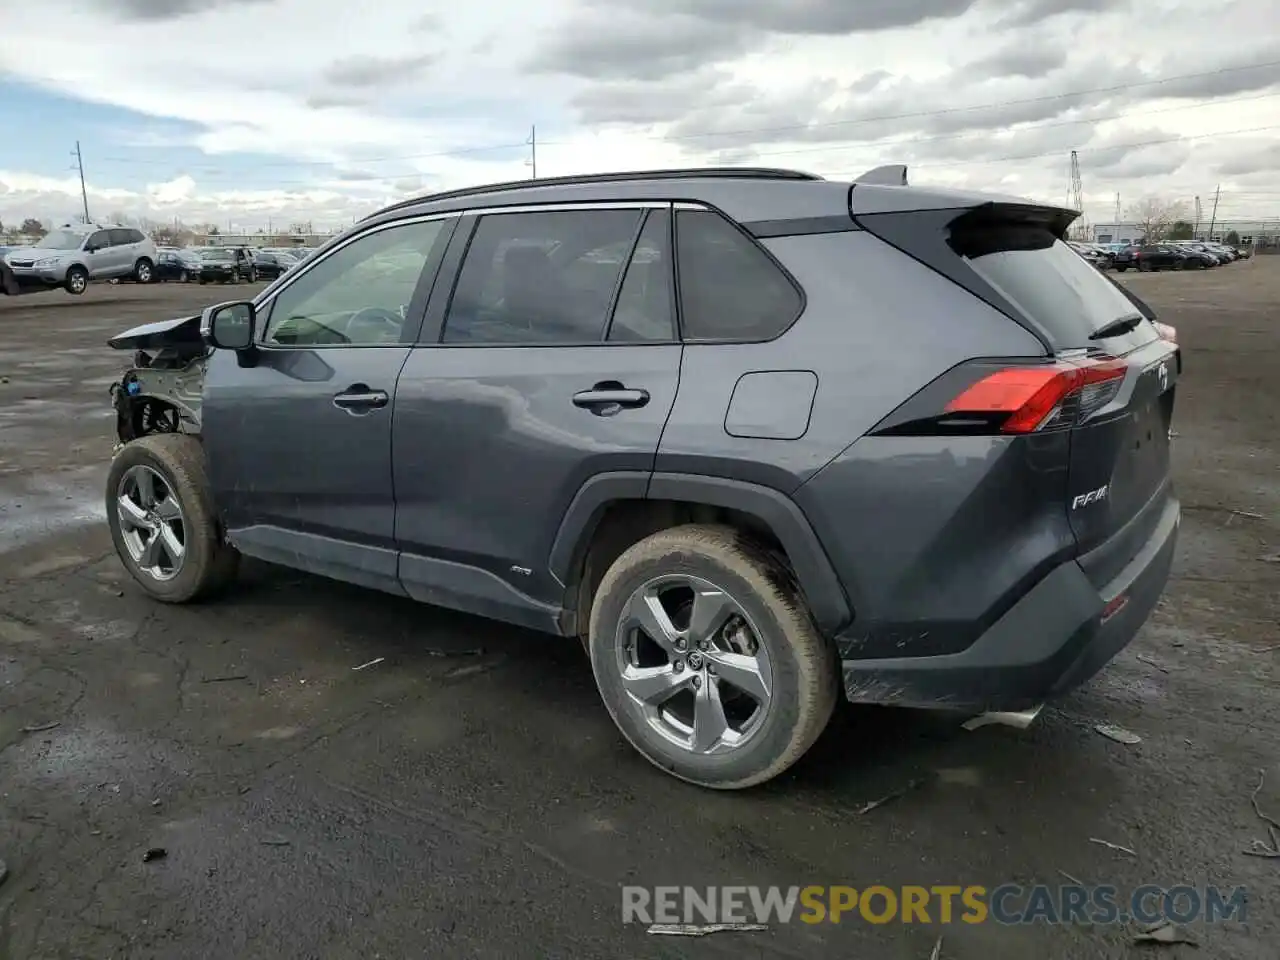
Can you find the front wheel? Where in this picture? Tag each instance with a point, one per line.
(143, 271)
(77, 280)
(160, 511)
(707, 659)
(1121, 267)
(184, 277)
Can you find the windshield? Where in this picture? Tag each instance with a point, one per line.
(62, 240)
(217, 253)
(1047, 282)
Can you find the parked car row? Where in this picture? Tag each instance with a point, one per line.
(74, 255)
(1169, 255)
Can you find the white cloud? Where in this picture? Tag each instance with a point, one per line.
(356, 106)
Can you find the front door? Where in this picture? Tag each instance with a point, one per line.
(98, 254)
(558, 361)
(299, 443)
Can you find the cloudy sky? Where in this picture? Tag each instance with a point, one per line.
(245, 112)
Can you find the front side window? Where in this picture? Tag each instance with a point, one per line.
(359, 295)
(62, 240)
(541, 278)
(730, 289)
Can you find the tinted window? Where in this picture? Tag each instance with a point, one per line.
(119, 237)
(644, 309)
(99, 240)
(136, 236)
(729, 288)
(540, 277)
(360, 294)
(1048, 283)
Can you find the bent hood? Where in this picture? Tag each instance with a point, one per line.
(181, 332)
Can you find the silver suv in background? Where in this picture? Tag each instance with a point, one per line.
(71, 256)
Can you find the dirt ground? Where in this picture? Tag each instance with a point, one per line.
(468, 796)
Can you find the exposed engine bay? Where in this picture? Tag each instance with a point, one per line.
(162, 391)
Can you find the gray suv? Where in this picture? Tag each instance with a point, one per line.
(761, 440)
(71, 256)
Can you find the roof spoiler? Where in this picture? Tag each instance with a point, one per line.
(890, 175)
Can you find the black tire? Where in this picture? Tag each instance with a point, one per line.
(253, 275)
(184, 277)
(210, 563)
(804, 666)
(235, 276)
(144, 271)
(77, 281)
(202, 281)
(1121, 267)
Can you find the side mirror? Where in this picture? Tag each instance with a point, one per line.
(229, 326)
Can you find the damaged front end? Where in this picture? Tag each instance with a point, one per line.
(161, 392)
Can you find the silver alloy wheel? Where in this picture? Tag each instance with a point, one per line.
(144, 273)
(152, 524)
(692, 665)
(78, 281)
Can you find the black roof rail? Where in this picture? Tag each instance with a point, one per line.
(743, 173)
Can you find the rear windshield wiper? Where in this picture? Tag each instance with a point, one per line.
(1116, 327)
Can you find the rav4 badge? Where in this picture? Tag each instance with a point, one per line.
(1093, 496)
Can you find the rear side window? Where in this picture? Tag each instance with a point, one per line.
(1045, 279)
(730, 289)
(119, 237)
(645, 311)
(541, 277)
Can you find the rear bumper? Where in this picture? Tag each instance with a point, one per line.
(1051, 641)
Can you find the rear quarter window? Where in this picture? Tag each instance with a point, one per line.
(730, 289)
(1047, 281)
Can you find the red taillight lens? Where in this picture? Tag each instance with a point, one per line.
(1033, 396)
(1166, 332)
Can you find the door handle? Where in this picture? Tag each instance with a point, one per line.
(359, 397)
(610, 397)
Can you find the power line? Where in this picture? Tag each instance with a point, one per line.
(919, 114)
(1111, 146)
(533, 143)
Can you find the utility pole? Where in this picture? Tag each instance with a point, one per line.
(84, 194)
(1214, 217)
(1195, 232)
(1117, 209)
(533, 150)
(1077, 197)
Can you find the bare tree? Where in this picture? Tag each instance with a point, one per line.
(1155, 217)
(32, 227)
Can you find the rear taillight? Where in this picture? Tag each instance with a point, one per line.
(1166, 332)
(1031, 398)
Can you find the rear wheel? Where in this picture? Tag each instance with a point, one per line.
(707, 659)
(77, 280)
(160, 511)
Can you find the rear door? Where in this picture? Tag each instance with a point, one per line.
(1120, 421)
(553, 359)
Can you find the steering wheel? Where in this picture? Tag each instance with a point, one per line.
(377, 321)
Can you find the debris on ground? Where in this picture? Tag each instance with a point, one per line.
(702, 929)
(1113, 846)
(1118, 734)
(1165, 932)
(937, 950)
(1270, 558)
(154, 853)
(1258, 848)
(478, 652)
(372, 663)
(4, 872)
(274, 841)
(225, 679)
(1152, 663)
(913, 785)
(1071, 878)
(41, 727)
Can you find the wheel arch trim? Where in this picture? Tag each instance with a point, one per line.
(822, 589)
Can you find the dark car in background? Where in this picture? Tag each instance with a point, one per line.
(1100, 257)
(226, 265)
(180, 266)
(269, 264)
(1162, 256)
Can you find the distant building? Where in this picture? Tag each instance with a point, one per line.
(260, 239)
(1265, 232)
